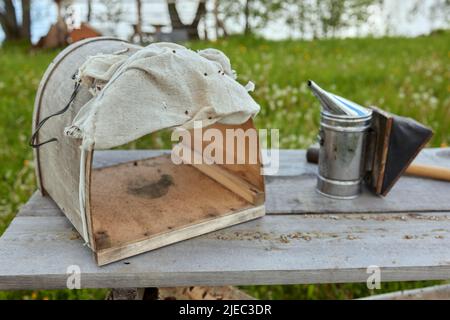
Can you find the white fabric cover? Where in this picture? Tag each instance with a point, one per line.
(163, 85)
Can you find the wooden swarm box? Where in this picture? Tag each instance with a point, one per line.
(137, 206)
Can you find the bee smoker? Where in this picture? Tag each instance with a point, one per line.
(360, 144)
(343, 141)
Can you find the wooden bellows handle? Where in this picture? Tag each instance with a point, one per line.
(426, 171)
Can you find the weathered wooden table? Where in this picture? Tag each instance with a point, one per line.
(305, 238)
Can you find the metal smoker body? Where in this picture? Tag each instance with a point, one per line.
(343, 141)
(344, 128)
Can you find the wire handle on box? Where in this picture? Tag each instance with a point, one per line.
(32, 142)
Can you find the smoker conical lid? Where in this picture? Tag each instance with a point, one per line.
(337, 105)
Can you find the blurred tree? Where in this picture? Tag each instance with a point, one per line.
(247, 7)
(338, 14)
(13, 29)
(89, 11)
(438, 11)
(331, 15)
(325, 18)
(192, 28)
(255, 14)
(139, 20)
(218, 22)
(26, 20)
(111, 15)
(61, 8)
(299, 16)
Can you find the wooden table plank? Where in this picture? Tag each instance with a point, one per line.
(40, 244)
(36, 251)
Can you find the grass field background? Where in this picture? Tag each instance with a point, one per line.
(409, 77)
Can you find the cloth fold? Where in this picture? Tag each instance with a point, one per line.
(163, 85)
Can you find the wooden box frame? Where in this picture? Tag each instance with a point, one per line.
(137, 206)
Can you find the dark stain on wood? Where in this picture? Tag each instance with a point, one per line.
(210, 212)
(75, 235)
(102, 240)
(151, 190)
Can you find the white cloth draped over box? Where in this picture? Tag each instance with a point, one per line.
(163, 85)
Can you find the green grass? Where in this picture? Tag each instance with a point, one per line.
(20, 73)
(409, 77)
